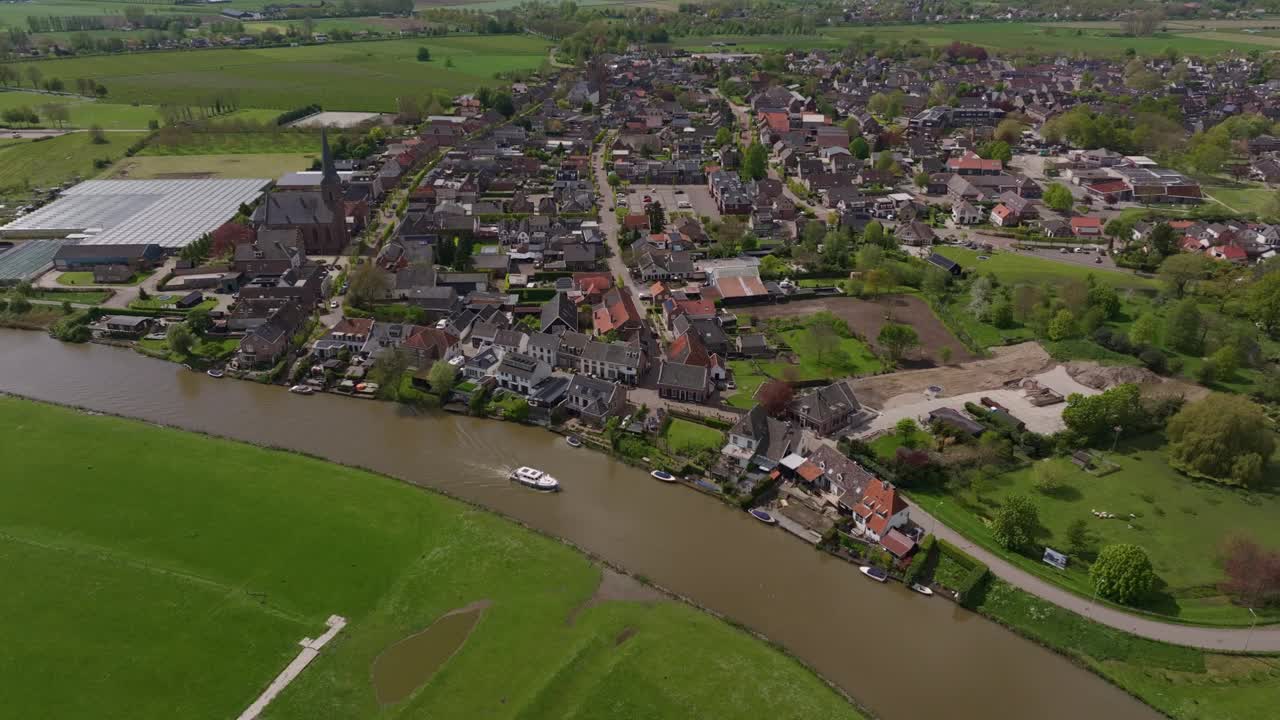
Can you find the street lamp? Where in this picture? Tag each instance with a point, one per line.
(1249, 637)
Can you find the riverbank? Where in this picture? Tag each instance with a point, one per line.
(208, 559)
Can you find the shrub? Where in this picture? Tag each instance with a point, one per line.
(1122, 573)
(921, 560)
(971, 583)
(1015, 523)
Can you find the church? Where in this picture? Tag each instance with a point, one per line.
(315, 209)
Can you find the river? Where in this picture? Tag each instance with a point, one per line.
(900, 654)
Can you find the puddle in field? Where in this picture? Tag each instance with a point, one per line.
(410, 663)
(616, 586)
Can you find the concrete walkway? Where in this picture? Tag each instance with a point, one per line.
(1264, 639)
(310, 649)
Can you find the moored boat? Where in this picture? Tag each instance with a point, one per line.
(922, 589)
(534, 478)
(874, 573)
(663, 475)
(301, 389)
(214, 373)
(763, 516)
(573, 441)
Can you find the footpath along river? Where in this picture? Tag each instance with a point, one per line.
(900, 654)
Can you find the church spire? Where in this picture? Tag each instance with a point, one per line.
(326, 160)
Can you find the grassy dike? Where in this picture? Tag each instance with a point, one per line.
(1180, 682)
(160, 573)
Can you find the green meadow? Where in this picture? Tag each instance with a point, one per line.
(160, 574)
(338, 76)
(26, 164)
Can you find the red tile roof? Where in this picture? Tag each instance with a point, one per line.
(897, 544)
(971, 161)
(735, 286)
(777, 121)
(614, 311)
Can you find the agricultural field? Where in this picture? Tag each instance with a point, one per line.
(201, 590)
(28, 164)
(1180, 522)
(339, 76)
(1098, 39)
(173, 167)
(84, 112)
(213, 142)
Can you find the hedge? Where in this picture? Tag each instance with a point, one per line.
(920, 561)
(972, 581)
(963, 558)
(534, 295)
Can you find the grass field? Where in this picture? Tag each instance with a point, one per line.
(29, 164)
(166, 302)
(339, 76)
(81, 278)
(748, 380)
(82, 297)
(234, 143)
(112, 116)
(181, 571)
(212, 166)
(686, 438)
(1183, 683)
(1254, 198)
(1181, 524)
(1014, 268)
(1094, 39)
(850, 356)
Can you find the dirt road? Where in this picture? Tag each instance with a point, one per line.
(1008, 363)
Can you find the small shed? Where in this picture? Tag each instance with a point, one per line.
(190, 300)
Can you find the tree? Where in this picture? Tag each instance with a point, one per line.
(1009, 131)
(873, 234)
(755, 161)
(897, 340)
(199, 321)
(995, 150)
(1058, 197)
(1063, 326)
(657, 217)
(774, 396)
(441, 377)
(1049, 477)
(424, 54)
(922, 179)
(860, 148)
(906, 430)
(1252, 572)
(1183, 327)
(503, 103)
(772, 267)
(1122, 573)
(1145, 330)
(367, 283)
(19, 305)
(1079, 541)
(97, 135)
(1180, 270)
(724, 136)
(1225, 361)
(824, 341)
(34, 75)
(1223, 437)
(1093, 418)
(1263, 301)
(1015, 523)
(180, 339)
(388, 369)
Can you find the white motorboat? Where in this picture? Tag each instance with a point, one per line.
(874, 573)
(663, 475)
(301, 389)
(214, 373)
(536, 479)
(922, 589)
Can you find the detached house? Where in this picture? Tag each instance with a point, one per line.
(881, 509)
(759, 439)
(595, 400)
(835, 479)
(828, 410)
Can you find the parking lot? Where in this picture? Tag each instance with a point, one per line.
(698, 198)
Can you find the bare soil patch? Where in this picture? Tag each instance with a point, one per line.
(1011, 362)
(616, 586)
(866, 317)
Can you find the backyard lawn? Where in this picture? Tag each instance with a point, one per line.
(166, 302)
(78, 278)
(845, 357)
(180, 572)
(1180, 522)
(207, 349)
(748, 379)
(689, 438)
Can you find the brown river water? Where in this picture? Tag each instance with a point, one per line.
(902, 655)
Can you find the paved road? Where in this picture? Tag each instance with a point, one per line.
(609, 222)
(1264, 639)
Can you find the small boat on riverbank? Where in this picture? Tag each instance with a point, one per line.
(663, 475)
(301, 389)
(536, 479)
(573, 441)
(763, 516)
(922, 589)
(214, 373)
(874, 573)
